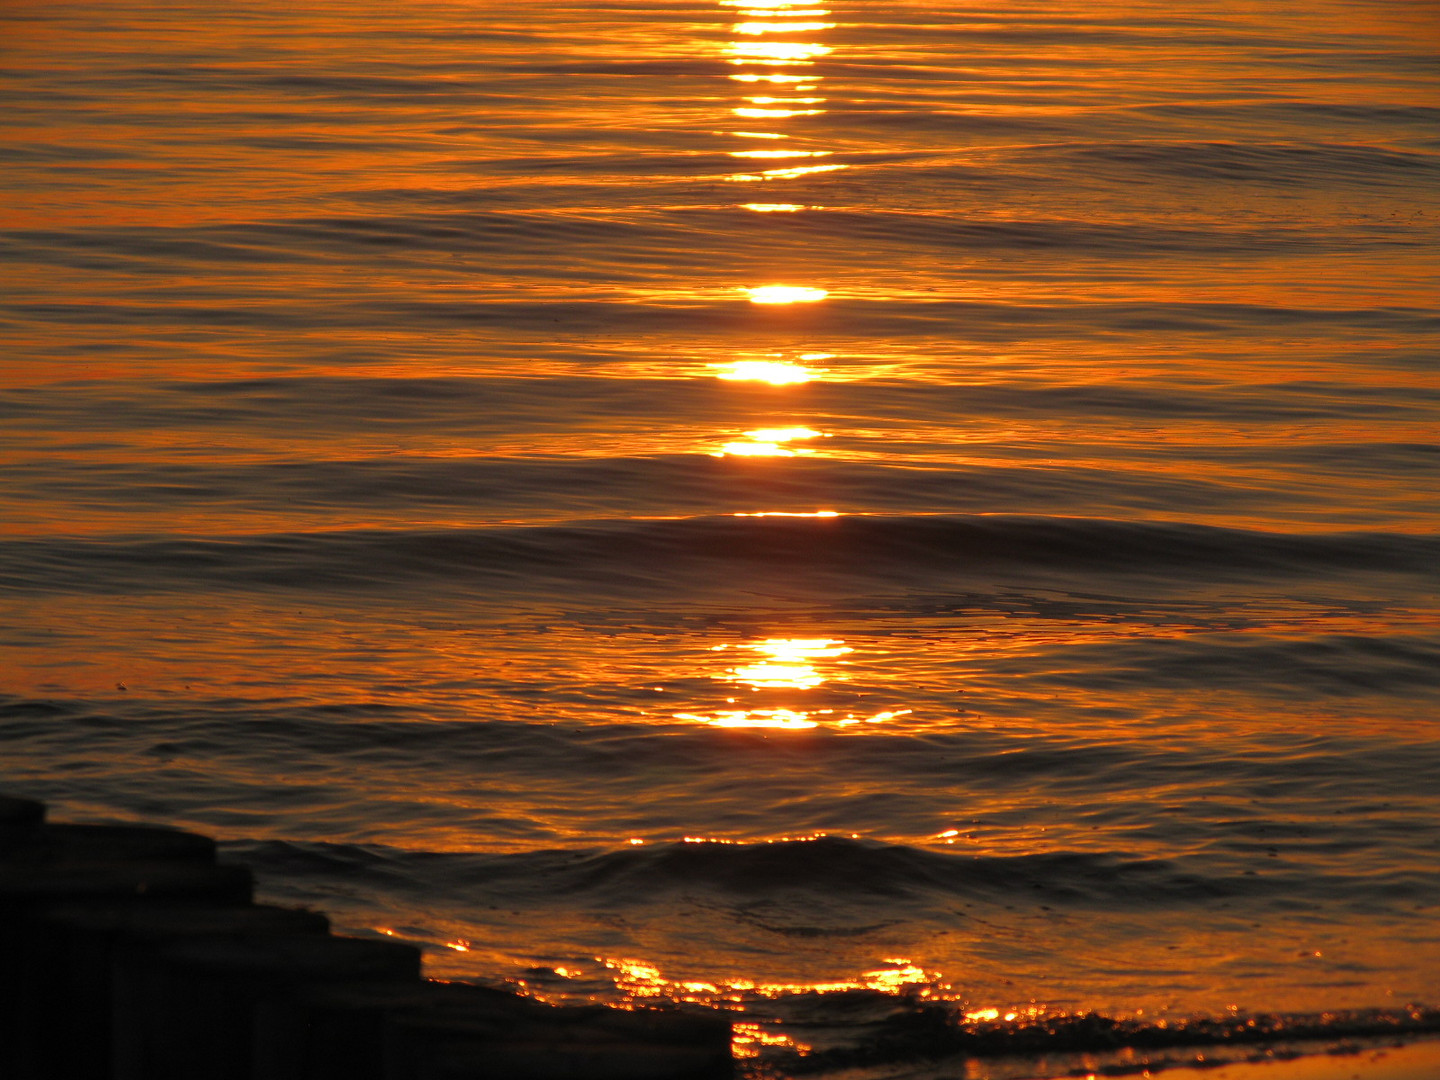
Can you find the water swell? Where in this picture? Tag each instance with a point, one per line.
(1277, 163)
(666, 553)
(855, 875)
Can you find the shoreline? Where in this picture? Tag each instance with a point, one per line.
(122, 940)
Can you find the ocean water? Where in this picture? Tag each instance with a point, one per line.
(806, 509)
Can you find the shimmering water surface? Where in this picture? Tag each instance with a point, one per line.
(781, 505)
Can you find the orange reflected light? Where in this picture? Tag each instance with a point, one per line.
(776, 52)
(772, 7)
(774, 372)
(791, 513)
(772, 207)
(641, 980)
(757, 28)
(747, 1040)
(787, 434)
(786, 719)
(757, 134)
(754, 449)
(771, 114)
(785, 294)
(778, 79)
(788, 664)
(767, 442)
(802, 170)
(779, 153)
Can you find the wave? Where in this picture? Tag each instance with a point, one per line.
(662, 240)
(846, 870)
(494, 490)
(498, 404)
(1271, 163)
(620, 245)
(821, 892)
(564, 316)
(776, 552)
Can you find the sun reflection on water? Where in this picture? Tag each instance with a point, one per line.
(754, 45)
(776, 52)
(777, 79)
(774, 372)
(780, 665)
(788, 663)
(790, 514)
(769, 442)
(771, 6)
(785, 294)
(758, 28)
(778, 153)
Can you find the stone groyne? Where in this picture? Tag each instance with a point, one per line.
(129, 953)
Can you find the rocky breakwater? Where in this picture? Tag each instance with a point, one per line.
(128, 953)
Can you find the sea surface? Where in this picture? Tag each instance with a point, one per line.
(816, 510)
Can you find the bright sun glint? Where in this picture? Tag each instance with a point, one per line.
(774, 372)
(785, 294)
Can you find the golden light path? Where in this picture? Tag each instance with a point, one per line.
(776, 52)
(640, 981)
(778, 153)
(776, 79)
(770, 7)
(758, 28)
(774, 372)
(768, 442)
(785, 294)
(790, 514)
(762, 20)
(753, 113)
(786, 664)
(785, 174)
(643, 982)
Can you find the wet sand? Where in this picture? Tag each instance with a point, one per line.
(1411, 1061)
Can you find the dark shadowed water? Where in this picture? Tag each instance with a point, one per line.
(796, 507)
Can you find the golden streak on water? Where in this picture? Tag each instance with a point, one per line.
(749, 1039)
(772, 114)
(757, 28)
(641, 980)
(802, 170)
(755, 449)
(788, 664)
(777, 52)
(790, 514)
(778, 153)
(786, 434)
(757, 134)
(774, 372)
(767, 442)
(786, 719)
(772, 7)
(750, 77)
(784, 294)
